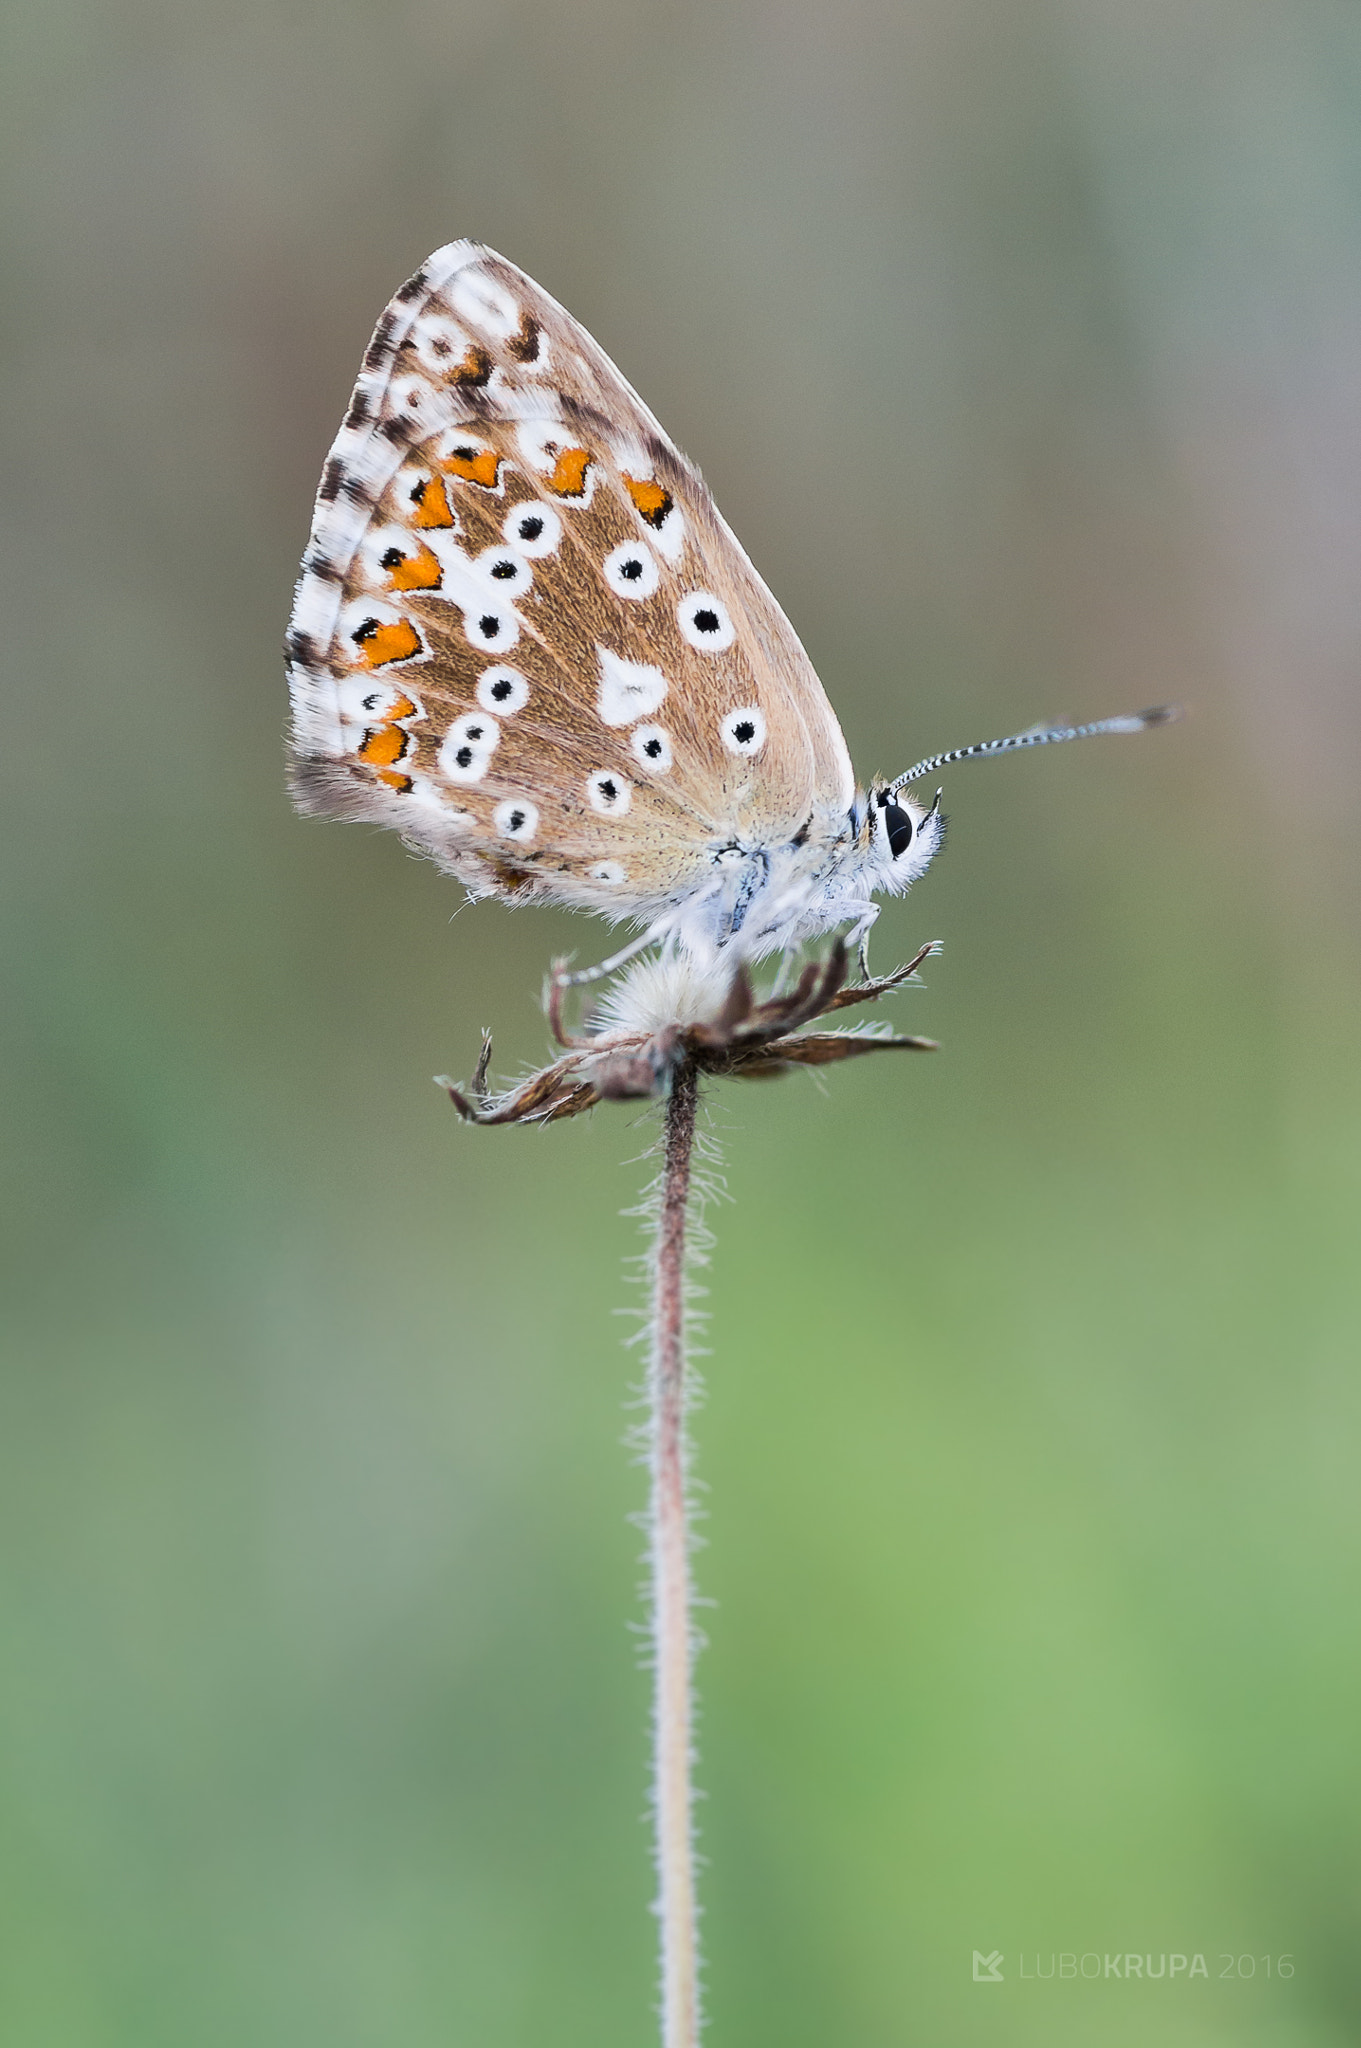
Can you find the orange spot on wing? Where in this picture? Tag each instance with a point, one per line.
(474, 465)
(402, 708)
(401, 783)
(378, 643)
(475, 368)
(432, 503)
(652, 501)
(383, 745)
(420, 571)
(569, 472)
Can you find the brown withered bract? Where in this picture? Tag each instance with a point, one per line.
(746, 1039)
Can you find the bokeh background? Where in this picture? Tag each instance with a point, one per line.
(1019, 341)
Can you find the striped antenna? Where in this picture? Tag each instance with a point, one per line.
(1040, 736)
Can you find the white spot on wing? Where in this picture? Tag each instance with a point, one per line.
(508, 574)
(533, 528)
(491, 626)
(468, 747)
(541, 441)
(652, 746)
(438, 344)
(502, 690)
(669, 537)
(629, 690)
(630, 570)
(705, 623)
(608, 793)
(516, 818)
(486, 303)
(744, 731)
(414, 398)
(609, 872)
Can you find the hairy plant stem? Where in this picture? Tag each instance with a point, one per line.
(669, 1560)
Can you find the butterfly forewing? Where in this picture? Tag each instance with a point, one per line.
(523, 635)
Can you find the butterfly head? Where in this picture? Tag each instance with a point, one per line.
(897, 835)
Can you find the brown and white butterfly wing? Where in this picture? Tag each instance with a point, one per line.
(524, 636)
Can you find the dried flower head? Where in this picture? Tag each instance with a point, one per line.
(742, 1037)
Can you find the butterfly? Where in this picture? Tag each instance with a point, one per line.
(524, 637)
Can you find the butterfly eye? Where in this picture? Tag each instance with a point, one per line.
(503, 690)
(533, 530)
(744, 732)
(630, 571)
(705, 623)
(516, 818)
(608, 793)
(898, 826)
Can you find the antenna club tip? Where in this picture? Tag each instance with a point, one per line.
(1130, 721)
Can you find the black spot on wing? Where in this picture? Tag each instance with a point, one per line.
(587, 419)
(524, 344)
(475, 402)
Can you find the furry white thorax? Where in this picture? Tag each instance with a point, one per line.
(765, 900)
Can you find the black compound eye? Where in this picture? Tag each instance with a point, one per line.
(899, 828)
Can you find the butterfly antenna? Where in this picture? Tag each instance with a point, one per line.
(1049, 735)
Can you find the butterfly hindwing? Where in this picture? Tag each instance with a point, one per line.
(523, 635)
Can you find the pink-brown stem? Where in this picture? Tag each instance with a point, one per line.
(669, 1552)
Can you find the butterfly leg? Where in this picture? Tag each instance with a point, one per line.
(859, 938)
(782, 974)
(598, 973)
(558, 983)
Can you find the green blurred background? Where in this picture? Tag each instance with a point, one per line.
(1019, 341)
